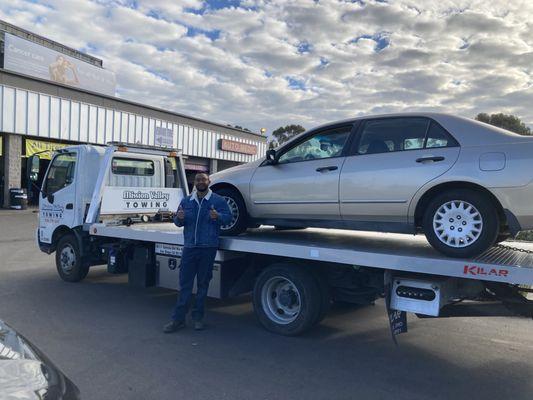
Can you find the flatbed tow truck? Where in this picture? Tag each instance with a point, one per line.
(293, 275)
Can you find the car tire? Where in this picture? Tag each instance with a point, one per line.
(70, 266)
(461, 210)
(238, 209)
(301, 307)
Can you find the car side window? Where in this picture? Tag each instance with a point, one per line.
(438, 137)
(61, 172)
(326, 144)
(392, 134)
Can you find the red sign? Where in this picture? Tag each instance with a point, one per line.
(475, 270)
(237, 147)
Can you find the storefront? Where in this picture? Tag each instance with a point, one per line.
(39, 114)
(39, 121)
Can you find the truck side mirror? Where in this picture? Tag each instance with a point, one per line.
(50, 198)
(271, 156)
(33, 168)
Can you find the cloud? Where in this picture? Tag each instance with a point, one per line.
(262, 63)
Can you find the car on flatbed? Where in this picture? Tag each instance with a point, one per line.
(466, 185)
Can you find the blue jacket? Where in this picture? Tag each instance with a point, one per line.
(199, 230)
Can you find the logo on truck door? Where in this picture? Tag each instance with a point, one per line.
(480, 271)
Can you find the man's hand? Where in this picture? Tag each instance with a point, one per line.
(181, 213)
(213, 213)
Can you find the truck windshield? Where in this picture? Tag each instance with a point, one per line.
(61, 173)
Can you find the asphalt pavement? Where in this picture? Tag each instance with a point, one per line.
(106, 336)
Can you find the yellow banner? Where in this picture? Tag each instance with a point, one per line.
(36, 146)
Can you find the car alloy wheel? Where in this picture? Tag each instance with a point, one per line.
(457, 223)
(234, 209)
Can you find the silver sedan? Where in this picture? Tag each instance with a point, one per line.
(466, 185)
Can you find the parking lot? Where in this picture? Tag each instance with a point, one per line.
(106, 336)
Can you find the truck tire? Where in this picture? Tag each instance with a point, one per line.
(453, 214)
(239, 222)
(325, 295)
(287, 299)
(69, 264)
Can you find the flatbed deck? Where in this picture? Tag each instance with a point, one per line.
(510, 263)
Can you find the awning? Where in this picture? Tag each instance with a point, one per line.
(38, 146)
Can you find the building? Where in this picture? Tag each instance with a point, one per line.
(52, 96)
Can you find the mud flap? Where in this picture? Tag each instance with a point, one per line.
(397, 319)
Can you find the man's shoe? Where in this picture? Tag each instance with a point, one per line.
(173, 326)
(199, 325)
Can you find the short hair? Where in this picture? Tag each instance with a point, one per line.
(201, 173)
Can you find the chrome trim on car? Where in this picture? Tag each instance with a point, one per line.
(375, 201)
(297, 202)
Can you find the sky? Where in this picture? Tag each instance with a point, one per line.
(258, 63)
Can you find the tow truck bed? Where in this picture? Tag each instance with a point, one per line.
(511, 263)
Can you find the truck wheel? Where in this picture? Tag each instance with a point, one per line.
(239, 215)
(325, 295)
(287, 299)
(461, 223)
(69, 264)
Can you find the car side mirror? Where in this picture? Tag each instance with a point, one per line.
(271, 156)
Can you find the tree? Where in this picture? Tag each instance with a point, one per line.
(506, 121)
(284, 133)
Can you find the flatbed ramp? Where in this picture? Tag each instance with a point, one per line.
(510, 263)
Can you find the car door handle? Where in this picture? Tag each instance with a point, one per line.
(430, 158)
(324, 169)
(69, 206)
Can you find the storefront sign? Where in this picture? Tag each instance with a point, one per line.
(164, 137)
(196, 167)
(237, 147)
(29, 58)
(45, 149)
(127, 200)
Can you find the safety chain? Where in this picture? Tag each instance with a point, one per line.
(506, 246)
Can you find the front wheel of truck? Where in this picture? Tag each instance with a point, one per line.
(69, 264)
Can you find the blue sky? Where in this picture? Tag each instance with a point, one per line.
(259, 63)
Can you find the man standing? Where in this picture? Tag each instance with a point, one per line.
(201, 214)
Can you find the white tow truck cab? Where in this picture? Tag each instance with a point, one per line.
(111, 205)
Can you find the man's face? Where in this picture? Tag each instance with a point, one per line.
(201, 182)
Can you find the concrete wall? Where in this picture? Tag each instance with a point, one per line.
(12, 164)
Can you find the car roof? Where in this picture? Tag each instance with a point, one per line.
(467, 131)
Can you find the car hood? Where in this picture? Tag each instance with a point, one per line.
(220, 176)
(26, 373)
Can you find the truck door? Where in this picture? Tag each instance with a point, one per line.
(57, 201)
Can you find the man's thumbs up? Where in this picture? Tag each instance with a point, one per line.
(213, 213)
(181, 213)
